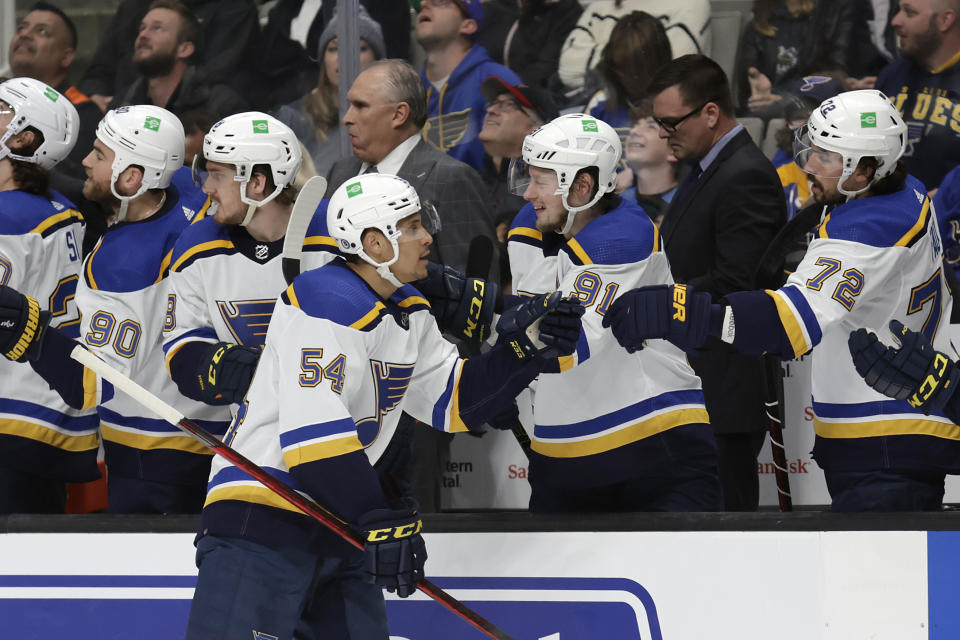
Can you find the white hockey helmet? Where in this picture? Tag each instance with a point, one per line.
(245, 140)
(568, 144)
(375, 201)
(45, 109)
(146, 136)
(853, 125)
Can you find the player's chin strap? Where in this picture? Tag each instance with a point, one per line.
(253, 205)
(572, 211)
(125, 200)
(383, 268)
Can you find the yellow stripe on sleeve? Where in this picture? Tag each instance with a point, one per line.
(791, 325)
(370, 316)
(412, 300)
(200, 248)
(91, 388)
(56, 219)
(292, 296)
(823, 227)
(319, 240)
(525, 231)
(456, 422)
(579, 251)
(565, 362)
(164, 265)
(322, 450)
(918, 226)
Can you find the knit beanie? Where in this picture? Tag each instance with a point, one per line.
(370, 32)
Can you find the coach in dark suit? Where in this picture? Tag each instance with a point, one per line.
(715, 231)
(388, 108)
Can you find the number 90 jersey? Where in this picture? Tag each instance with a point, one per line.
(874, 259)
(40, 244)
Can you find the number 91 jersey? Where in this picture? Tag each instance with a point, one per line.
(874, 259)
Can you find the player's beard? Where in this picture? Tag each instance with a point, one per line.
(157, 64)
(99, 193)
(924, 44)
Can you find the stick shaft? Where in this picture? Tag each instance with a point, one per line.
(774, 410)
(309, 507)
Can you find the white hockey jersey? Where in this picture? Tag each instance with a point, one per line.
(605, 398)
(874, 259)
(40, 243)
(122, 296)
(338, 368)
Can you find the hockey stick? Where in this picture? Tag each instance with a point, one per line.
(773, 405)
(309, 507)
(303, 209)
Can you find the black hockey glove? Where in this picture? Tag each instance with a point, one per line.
(225, 372)
(22, 325)
(462, 306)
(914, 372)
(544, 327)
(393, 549)
(672, 312)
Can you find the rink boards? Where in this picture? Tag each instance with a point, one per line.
(536, 585)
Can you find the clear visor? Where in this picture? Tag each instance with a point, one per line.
(518, 176)
(429, 221)
(813, 159)
(199, 169)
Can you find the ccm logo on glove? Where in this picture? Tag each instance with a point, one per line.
(476, 304)
(395, 533)
(931, 382)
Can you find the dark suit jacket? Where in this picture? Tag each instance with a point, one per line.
(454, 188)
(714, 240)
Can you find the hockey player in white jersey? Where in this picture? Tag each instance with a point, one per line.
(350, 346)
(43, 442)
(877, 256)
(121, 295)
(225, 271)
(612, 431)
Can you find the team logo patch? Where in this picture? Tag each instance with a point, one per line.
(354, 189)
(868, 120)
(590, 126)
(260, 635)
(51, 94)
(260, 126)
(443, 132)
(152, 123)
(261, 252)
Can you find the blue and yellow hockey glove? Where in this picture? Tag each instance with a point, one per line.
(22, 325)
(543, 327)
(914, 371)
(225, 372)
(671, 312)
(463, 306)
(393, 549)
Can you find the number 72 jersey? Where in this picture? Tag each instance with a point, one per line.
(874, 259)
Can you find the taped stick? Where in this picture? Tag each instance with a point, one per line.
(308, 506)
(303, 209)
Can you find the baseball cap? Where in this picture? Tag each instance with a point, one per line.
(538, 100)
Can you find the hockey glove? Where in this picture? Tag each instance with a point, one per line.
(463, 306)
(544, 327)
(22, 325)
(393, 549)
(914, 372)
(673, 312)
(225, 372)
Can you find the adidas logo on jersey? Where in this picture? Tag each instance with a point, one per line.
(189, 213)
(57, 205)
(919, 195)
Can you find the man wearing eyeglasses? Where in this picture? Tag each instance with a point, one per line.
(723, 216)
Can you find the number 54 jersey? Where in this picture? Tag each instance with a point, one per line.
(40, 243)
(874, 259)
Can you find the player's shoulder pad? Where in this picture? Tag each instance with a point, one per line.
(409, 299)
(134, 255)
(523, 229)
(22, 212)
(333, 292)
(621, 236)
(202, 239)
(318, 237)
(894, 220)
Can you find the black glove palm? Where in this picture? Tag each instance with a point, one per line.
(394, 552)
(914, 372)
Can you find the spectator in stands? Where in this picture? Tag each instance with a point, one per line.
(720, 221)
(871, 41)
(687, 24)
(44, 47)
(315, 118)
(651, 162)
(946, 202)
(924, 84)
(229, 30)
(168, 39)
(527, 35)
(454, 69)
(513, 111)
(637, 49)
(786, 40)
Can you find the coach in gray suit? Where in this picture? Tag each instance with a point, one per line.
(388, 107)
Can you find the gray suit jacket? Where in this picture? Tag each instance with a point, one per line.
(454, 188)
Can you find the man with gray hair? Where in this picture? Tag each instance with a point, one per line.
(387, 111)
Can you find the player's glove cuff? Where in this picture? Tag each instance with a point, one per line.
(22, 325)
(225, 373)
(672, 312)
(394, 551)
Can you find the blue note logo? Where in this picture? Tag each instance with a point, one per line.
(247, 320)
(390, 383)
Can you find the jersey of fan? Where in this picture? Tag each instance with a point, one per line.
(590, 419)
(121, 295)
(224, 284)
(339, 366)
(40, 243)
(874, 259)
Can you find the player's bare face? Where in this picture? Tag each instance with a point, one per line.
(542, 193)
(916, 28)
(223, 189)
(414, 246)
(369, 118)
(98, 167)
